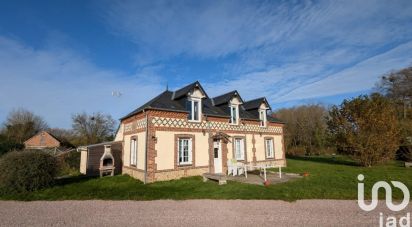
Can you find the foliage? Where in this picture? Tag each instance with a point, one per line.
(397, 86)
(404, 153)
(23, 171)
(22, 124)
(365, 127)
(305, 129)
(69, 163)
(329, 179)
(65, 136)
(8, 145)
(92, 129)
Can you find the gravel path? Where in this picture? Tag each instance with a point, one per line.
(190, 213)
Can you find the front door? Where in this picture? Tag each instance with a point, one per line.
(217, 156)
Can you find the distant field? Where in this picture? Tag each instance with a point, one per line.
(329, 178)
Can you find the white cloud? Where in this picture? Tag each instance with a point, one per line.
(276, 48)
(360, 77)
(56, 83)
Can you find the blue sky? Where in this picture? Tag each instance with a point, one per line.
(62, 57)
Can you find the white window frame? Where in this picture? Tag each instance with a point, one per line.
(234, 117)
(133, 151)
(270, 150)
(192, 112)
(181, 146)
(262, 114)
(239, 149)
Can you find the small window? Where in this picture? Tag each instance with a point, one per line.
(234, 113)
(193, 106)
(133, 152)
(239, 149)
(269, 148)
(262, 118)
(185, 151)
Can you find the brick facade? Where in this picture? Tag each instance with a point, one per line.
(42, 140)
(176, 123)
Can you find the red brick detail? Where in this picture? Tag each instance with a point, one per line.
(41, 140)
(254, 148)
(138, 116)
(176, 151)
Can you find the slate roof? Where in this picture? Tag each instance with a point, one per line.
(255, 103)
(176, 101)
(225, 98)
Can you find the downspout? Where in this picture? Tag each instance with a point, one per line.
(145, 148)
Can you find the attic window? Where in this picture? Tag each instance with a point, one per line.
(194, 108)
(234, 114)
(262, 118)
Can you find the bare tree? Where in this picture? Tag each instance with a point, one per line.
(397, 86)
(305, 129)
(93, 128)
(21, 124)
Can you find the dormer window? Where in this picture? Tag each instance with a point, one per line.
(194, 108)
(262, 118)
(234, 114)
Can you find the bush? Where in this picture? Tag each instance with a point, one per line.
(8, 145)
(404, 153)
(69, 163)
(23, 171)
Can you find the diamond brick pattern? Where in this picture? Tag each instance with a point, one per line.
(135, 125)
(183, 123)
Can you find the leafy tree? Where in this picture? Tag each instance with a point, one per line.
(22, 124)
(93, 128)
(305, 129)
(366, 128)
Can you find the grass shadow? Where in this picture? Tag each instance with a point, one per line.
(73, 179)
(328, 160)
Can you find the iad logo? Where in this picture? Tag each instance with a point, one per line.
(388, 190)
(390, 220)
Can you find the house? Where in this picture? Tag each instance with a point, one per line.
(42, 140)
(187, 133)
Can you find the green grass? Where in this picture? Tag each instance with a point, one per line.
(328, 179)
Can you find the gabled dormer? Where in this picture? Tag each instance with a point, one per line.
(192, 96)
(260, 107)
(232, 102)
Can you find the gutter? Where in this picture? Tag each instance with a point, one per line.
(145, 147)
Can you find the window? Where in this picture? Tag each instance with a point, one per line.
(262, 118)
(239, 149)
(193, 106)
(185, 151)
(133, 152)
(234, 113)
(269, 148)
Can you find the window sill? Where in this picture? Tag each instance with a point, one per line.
(185, 165)
(194, 121)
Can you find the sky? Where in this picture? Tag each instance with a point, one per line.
(63, 57)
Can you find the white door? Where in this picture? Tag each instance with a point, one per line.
(217, 154)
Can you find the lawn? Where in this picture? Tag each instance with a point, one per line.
(330, 178)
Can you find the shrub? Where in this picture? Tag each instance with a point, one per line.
(69, 163)
(404, 153)
(23, 171)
